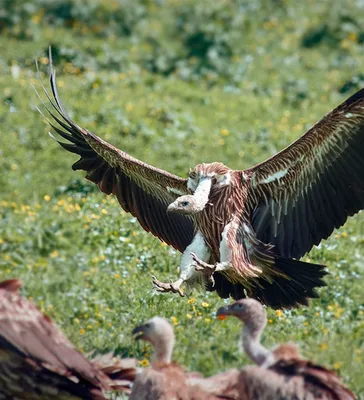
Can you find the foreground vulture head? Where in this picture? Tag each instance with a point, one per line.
(247, 228)
(159, 333)
(249, 311)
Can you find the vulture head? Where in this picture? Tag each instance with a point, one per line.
(249, 311)
(187, 204)
(201, 180)
(159, 333)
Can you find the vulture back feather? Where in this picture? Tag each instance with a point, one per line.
(32, 346)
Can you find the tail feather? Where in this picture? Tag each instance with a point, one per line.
(294, 287)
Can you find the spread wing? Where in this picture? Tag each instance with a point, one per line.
(27, 332)
(301, 194)
(141, 189)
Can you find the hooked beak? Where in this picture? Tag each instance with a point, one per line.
(138, 332)
(172, 207)
(223, 312)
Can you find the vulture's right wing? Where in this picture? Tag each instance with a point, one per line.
(141, 189)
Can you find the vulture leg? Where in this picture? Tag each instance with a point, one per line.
(209, 269)
(187, 266)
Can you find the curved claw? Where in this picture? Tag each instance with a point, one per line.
(168, 287)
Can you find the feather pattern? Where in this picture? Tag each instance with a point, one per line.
(322, 185)
(32, 346)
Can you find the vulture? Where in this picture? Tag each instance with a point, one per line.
(241, 232)
(38, 362)
(280, 373)
(166, 380)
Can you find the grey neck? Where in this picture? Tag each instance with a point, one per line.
(252, 346)
(162, 352)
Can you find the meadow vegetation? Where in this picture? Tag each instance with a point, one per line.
(174, 83)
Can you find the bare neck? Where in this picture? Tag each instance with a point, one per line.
(252, 346)
(163, 349)
(202, 192)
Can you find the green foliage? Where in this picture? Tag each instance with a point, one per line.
(173, 83)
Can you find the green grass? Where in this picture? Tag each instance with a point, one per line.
(88, 264)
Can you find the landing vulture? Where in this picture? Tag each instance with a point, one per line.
(38, 362)
(244, 228)
(281, 372)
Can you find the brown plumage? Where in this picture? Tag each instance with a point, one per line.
(281, 372)
(246, 227)
(164, 380)
(38, 362)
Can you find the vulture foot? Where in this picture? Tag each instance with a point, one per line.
(207, 269)
(174, 287)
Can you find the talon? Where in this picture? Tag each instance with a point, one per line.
(168, 287)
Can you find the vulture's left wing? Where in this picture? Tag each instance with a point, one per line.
(301, 194)
(141, 189)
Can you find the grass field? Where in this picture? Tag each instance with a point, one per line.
(155, 95)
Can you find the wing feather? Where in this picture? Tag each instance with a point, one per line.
(321, 176)
(26, 331)
(141, 189)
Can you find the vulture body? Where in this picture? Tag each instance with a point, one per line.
(281, 372)
(38, 362)
(240, 231)
(165, 380)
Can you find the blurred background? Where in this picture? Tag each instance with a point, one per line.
(174, 83)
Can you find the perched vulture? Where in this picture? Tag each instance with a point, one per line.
(164, 380)
(38, 362)
(246, 228)
(281, 372)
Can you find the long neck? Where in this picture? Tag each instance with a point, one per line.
(252, 346)
(202, 192)
(163, 351)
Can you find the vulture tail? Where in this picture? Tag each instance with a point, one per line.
(294, 284)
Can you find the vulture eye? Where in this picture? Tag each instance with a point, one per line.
(185, 203)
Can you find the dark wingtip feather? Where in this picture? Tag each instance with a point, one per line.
(295, 287)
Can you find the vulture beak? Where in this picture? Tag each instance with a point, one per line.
(223, 312)
(138, 332)
(172, 207)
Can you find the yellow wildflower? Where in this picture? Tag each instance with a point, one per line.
(174, 321)
(54, 254)
(279, 313)
(144, 363)
(188, 316)
(204, 304)
(324, 346)
(191, 300)
(224, 132)
(337, 365)
(82, 331)
(47, 197)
